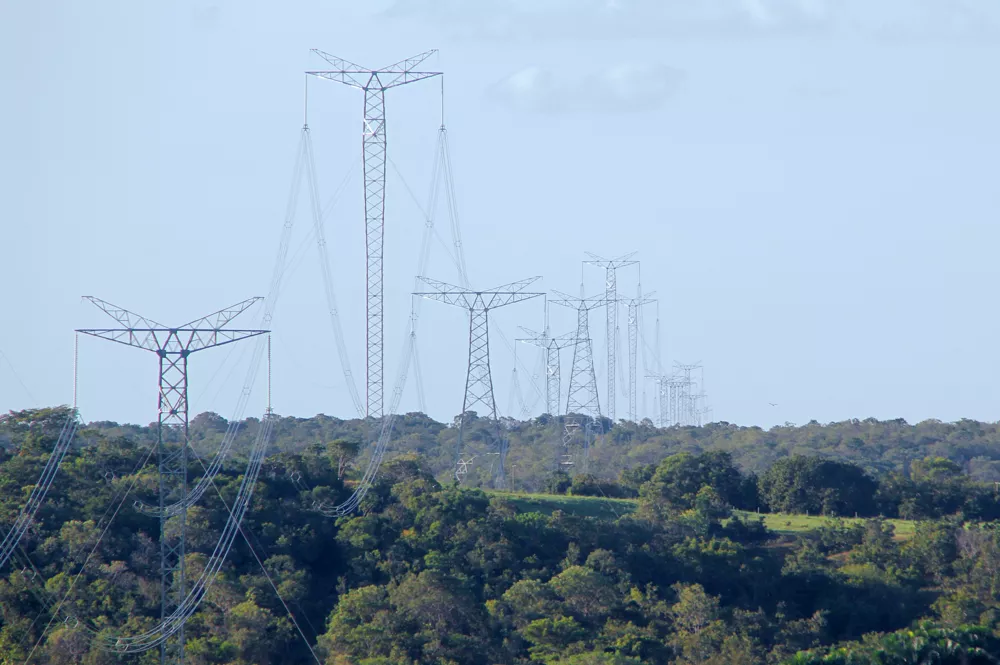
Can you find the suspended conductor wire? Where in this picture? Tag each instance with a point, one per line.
(297, 256)
(437, 235)
(410, 353)
(331, 296)
(41, 488)
(246, 537)
(452, 201)
(621, 370)
(76, 578)
(101, 523)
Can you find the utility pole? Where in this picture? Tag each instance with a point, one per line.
(582, 401)
(173, 346)
(634, 307)
(478, 378)
(374, 82)
(611, 267)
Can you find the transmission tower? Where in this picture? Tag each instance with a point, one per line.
(374, 82)
(634, 307)
(478, 378)
(172, 346)
(611, 267)
(582, 402)
(685, 402)
(553, 375)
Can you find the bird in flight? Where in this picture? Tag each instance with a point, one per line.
(772, 404)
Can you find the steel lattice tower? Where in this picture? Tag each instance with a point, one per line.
(173, 346)
(634, 307)
(611, 267)
(478, 378)
(553, 375)
(374, 82)
(686, 402)
(582, 401)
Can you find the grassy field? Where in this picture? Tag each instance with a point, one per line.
(601, 507)
(793, 524)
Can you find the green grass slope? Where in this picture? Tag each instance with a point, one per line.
(605, 508)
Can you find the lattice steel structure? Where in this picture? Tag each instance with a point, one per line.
(479, 379)
(374, 82)
(683, 402)
(173, 346)
(634, 311)
(611, 267)
(582, 401)
(553, 374)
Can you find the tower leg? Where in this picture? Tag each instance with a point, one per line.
(173, 417)
(479, 392)
(373, 147)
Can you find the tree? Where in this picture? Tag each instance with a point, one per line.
(815, 485)
(343, 450)
(678, 479)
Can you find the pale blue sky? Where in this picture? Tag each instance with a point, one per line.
(810, 184)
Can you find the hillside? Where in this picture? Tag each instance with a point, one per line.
(681, 573)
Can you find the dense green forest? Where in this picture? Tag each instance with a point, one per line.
(428, 572)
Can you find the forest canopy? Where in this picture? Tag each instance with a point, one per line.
(430, 572)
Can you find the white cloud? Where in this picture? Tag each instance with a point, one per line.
(619, 88)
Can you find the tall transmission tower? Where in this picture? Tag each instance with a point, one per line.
(582, 401)
(374, 82)
(478, 378)
(634, 308)
(611, 267)
(173, 346)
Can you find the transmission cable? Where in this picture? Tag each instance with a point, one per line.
(83, 567)
(243, 531)
(41, 488)
(331, 295)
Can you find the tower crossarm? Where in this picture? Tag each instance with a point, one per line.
(143, 333)
(172, 340)
(575, 302)
(560, 342)
(356, 76)
(470, 299)
(611, 264)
